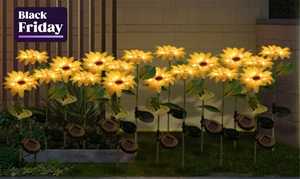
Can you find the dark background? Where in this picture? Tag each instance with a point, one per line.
(284, 9)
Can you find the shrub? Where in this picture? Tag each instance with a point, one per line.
(9, 157)
(49, 168)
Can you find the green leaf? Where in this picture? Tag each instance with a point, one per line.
(17, 110)
(194, 87)
(233, 88)
(24, 114)
(75, 114)
(105, 100)
(114, 107)
(116, 110)
(68, 99)
(179, 62)
(268, 87)
(136, 80)
(210, 108)
(205, 94)
(173, 106)
(94, 92)
(128, 92)
(164, 88)
(284, 68)
(147, 72)
(37, 110)
(162, 110)
(154, 105)
(282, 111)
(57, 91)
(253, 105)
(241, 95)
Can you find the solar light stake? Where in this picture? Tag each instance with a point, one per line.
(136, 99)
(157, 142)
(235, 113)
(183, 124)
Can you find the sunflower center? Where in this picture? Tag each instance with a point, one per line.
(158, 78)
(21, 82)
(99, 63)
(203, 64)
(235, 59)
(119, 82)
(256, 78)
(65, 68)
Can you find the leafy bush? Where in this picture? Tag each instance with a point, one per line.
(49, 168)
(8, 128)
(9, 157)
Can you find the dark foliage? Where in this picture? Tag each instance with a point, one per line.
(284, 9)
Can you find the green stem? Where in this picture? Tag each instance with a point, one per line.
(235, 113)
(255, 132)
(47, 118)
(255, 117)
(223, 86)
(119, 103)
(137, 86)
(118, 134)
(47, 104)
(222, 122)
(157, 143)
(202, 118)
(65, 132)
(136, 98)
(169, 99)
(84, 101)
(21, 120)
(183, 125)
(84, 114)
(65, 113)
(20, 138)
(273, 105)
(184, 96)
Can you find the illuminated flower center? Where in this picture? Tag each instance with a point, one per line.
(203, 64)
(99, 63)
(119, 82)
(21, 82)
(158, 78)
(256, 78)
(66, 68)
(235, 59)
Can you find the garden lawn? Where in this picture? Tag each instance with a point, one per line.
(284, 161)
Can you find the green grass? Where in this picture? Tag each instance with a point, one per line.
(284, 161)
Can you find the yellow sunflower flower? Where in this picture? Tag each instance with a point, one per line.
(254, 77)
(116, 81)
(120, 65)
(274, 52)
(161, 78)
(183, 71)
(32, 56)
(223, 74)
(85, 78)
(233, 58)
(203, 63)
(136, 56)
(169, 52)
(96, 62)
(18, 82)
(259, 62)
(66, 67)
(46, 75)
